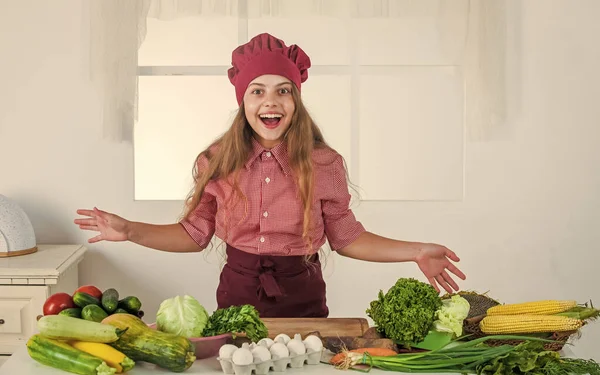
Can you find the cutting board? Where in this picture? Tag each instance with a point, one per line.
(326, 326)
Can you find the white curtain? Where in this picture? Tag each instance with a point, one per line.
(118, 28)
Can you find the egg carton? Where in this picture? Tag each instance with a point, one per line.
(275, 365)
(310, 357)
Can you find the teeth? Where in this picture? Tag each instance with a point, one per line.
(271, 115)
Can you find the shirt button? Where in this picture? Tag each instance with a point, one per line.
(262, 239)
(267, 180)
(265, 214)
(268, 154)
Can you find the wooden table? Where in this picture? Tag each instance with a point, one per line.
(20, 363)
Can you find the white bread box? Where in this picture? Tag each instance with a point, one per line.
(16, 232)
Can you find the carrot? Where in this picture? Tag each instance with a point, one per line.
(377, 352)
(340, 358)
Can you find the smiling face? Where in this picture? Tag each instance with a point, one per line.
(269, 106)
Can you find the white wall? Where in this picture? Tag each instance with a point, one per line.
(527, 229)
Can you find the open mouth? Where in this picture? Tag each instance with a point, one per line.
(271, 120)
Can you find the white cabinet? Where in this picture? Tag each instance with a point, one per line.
(26, 282)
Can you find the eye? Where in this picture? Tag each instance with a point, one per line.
(284, 91)
(256, 91)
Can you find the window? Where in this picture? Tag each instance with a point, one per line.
(385, 87)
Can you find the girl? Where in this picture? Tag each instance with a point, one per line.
(274, 192)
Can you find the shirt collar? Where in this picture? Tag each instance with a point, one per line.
(279, 152)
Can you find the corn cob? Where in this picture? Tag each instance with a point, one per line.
(513, 324)
(545, 307)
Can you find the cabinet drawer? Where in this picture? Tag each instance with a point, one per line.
(19, 308)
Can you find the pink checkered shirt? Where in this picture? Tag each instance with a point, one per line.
(273, 222)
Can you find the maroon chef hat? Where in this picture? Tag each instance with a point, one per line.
(265, 54)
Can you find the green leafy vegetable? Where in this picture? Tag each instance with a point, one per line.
(406, 312)
(236, 319)
(181, 315)
(451, 315)
(530, 357)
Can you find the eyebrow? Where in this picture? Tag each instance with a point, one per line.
(262, 85)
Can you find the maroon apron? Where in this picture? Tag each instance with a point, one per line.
(278, 286)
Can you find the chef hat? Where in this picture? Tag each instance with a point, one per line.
(265, 54)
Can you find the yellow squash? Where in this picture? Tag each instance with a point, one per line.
(107, 353)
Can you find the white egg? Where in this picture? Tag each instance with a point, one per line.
(279, 350)
(242, 357)
(267, 342)
(226, 351)
(284, 337)
(296, 346)
(313, 343)
(261, 353)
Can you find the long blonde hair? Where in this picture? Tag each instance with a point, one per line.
(228, 154)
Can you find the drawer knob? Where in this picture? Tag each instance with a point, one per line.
(1, 321)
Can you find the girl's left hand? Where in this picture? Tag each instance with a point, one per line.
(434, 263)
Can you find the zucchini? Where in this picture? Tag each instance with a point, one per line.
(62, 327)
(60, 355)
(74, 312)
(110, 300)
(93, 313)
(83, 299)
(131, 304)
(142, 343)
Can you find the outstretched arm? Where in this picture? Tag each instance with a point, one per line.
(170, 237)
(432, 259)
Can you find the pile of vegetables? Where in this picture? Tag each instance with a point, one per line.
(90, 303)
(405, 314)
(96, 333)
(104, 348)
(474, 357)
(185, 316)
(511, 339)
(78, 346)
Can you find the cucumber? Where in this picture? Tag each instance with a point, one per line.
(74, 312)
(93, 313)
(64, 357)
(121, 311)
(83, 299)
(131, 304)
(62, 327)
(110, 300)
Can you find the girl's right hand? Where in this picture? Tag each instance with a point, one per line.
(110, 226)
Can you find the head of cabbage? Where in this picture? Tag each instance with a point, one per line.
(181, 315)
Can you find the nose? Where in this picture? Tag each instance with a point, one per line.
(270, 99)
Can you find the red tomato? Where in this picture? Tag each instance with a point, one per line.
(91, 290)
(57, 303)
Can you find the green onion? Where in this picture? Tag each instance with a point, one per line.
(464, 357)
